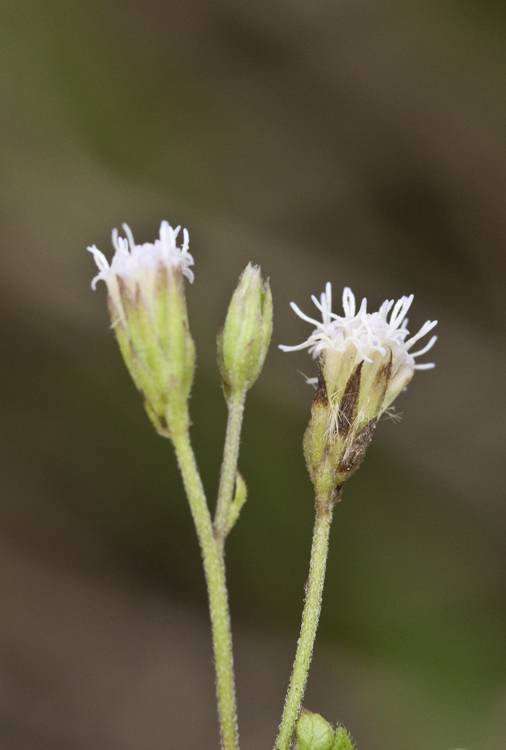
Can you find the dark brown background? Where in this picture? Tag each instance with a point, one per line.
(357, 142)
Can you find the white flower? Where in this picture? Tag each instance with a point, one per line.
(365, 361)
(147, 304)
(367, 333)
(132, 261)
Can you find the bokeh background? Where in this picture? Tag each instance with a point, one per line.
(358, 142)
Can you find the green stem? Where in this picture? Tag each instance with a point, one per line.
(214, 567)
(229, 464)
(309, 624)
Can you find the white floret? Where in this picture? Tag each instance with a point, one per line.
(132, 260)
(367, 332)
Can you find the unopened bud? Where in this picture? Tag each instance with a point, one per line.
(148, 311)
(342, 740)
(314, 732)
(244, 339)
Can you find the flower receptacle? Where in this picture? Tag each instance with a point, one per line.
(343, 417)
(157, 347)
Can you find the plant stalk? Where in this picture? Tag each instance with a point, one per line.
(310, 617)
(229, 464)
(214, 567)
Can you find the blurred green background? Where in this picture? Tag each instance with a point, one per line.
(357, 142)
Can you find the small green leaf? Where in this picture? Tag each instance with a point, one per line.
(239, 499)
(342, 740)
(314, 732)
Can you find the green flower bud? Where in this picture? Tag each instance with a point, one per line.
(147, 305)
(244, 339)
(364, 363)
(342, 740)
(314, 732)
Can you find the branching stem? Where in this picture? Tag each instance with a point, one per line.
(214, 567)
(229, 464)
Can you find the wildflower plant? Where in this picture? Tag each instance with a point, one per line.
(364, 360)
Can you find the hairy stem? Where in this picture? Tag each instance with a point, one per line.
(214, 567)
(310, 617)
(229, 464)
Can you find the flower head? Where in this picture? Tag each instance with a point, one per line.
(359, 336)
(148, 312)
(365, 361)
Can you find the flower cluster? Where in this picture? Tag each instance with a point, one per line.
(365, 361)
(148, 311)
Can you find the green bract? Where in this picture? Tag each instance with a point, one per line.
(346, 409)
